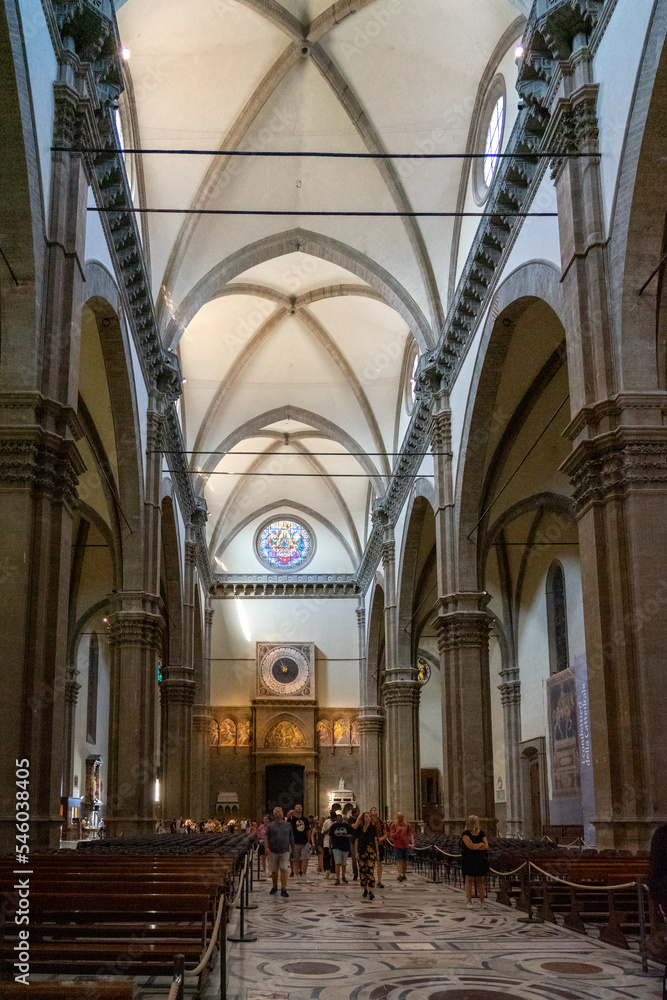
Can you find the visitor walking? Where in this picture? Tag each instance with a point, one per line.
(301, 849)
(367, 853)
(341, 836)
(381, 833)
(261, 834)
(474, 859)
(402, 838)
(329, 866)
(280, 844)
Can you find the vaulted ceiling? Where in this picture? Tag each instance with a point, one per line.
(295, 332)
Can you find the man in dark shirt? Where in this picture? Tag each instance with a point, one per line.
(279, 843)
(301, 850)
(341, 834)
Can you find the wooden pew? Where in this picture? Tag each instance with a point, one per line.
(69, 991)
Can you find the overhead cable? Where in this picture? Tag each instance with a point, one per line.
(323, 155)
(500, 214)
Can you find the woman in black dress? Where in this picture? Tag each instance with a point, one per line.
(474, 859)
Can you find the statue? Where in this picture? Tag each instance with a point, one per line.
(341, 783)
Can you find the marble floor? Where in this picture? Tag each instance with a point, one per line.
(417, 941)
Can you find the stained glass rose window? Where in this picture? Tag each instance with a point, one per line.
(284, 545)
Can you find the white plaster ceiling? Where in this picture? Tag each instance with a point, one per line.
(300, 325)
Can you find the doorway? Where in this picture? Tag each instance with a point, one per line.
(284, 786)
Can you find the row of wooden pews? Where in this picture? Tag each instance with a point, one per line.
(122, 911)
(592, 899)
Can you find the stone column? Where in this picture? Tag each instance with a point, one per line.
(39, 465)
(618, 469)
(400, 694)
(72, 688)
(510, 696)
(135, 642)
(371, 724)
(463, 640)
(177, 693)
(201, 723)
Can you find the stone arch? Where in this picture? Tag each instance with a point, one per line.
(276, 505)
(327, 429)
(171, 585)
(316, 245)
(417, 565)
(106, 306)
(536, 281)
(639, 225)
(22, 221)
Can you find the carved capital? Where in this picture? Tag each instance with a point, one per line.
(370, 725)
(72, 689)
(612, 465)
(155, 428)
(440, 431)
(463, 628)
(135, 628)
(177, 691)
(560, 21)
(199, 516)
(574, 126)
(388, 554)
(510, 693)
(168, 376)
(34, 459)
(361, 617)
(401, 692)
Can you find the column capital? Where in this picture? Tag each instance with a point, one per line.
(401, 692)
(135, 628)
(177, 691)
(440, 431)
(462, 627)
(388, 553)
(510, 692)
(361, 617)
(611, 466)
(574, 126)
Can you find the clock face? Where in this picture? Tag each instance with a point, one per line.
(284, 670)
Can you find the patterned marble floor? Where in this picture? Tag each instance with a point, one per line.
(417, 941)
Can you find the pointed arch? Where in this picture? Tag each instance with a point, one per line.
(306, 241)
(326, 428)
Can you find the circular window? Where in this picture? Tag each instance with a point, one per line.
(284, 544)
(489, 140)
(423, 670)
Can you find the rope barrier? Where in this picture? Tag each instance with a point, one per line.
(175, 987)
(446, 853)
(214, 935)
(513, 872)
(576, 885)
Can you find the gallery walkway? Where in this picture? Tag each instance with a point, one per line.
(417, 941)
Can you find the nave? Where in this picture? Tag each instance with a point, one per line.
(417, 941)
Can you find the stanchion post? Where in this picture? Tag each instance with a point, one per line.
(530, 919)
(248, 887)
(222, 942)
(179, 974)
(642, 927)
(242, 936)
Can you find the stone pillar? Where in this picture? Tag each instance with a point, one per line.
(510, 696)
(135, 641)
(371, 724)
(400, 693)
(72, 688)
(39, 465)
(177, 693)
(463, 640)
(201, 723)
(618, 469)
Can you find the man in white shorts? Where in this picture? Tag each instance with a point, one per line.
(279, 844)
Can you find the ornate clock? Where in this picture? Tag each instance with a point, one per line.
(285, 670)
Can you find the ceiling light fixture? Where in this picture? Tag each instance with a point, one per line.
(125, 53)
(519, 52)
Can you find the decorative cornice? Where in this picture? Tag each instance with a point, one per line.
(225, 585)
(90, 25)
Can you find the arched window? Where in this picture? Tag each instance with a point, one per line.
(557, 619)
(93, 669)
(489, 141)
